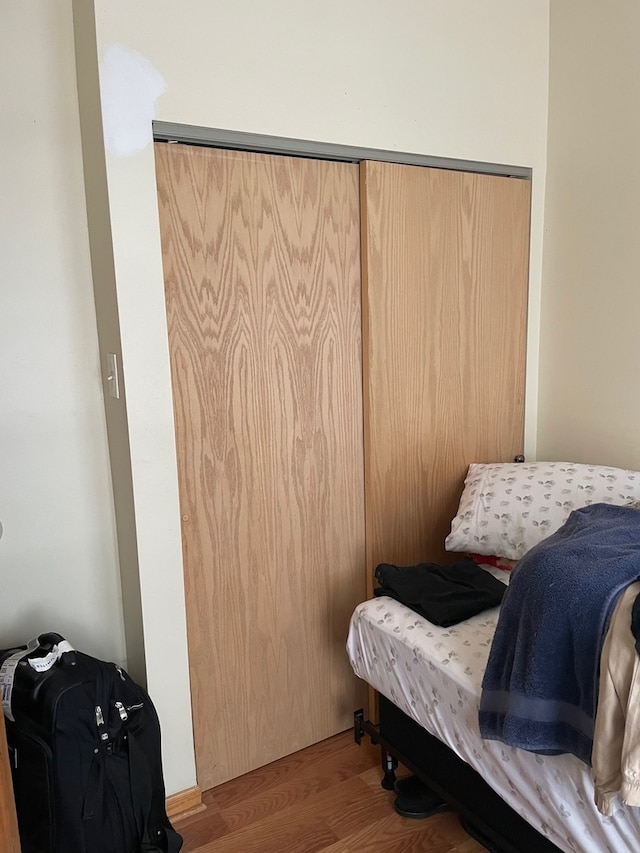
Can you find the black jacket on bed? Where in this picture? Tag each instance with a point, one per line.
(445, 595)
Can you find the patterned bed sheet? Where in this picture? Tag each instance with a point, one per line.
(434, 675)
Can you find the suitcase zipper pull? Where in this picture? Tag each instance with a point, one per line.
(122, 711)
(100, 723)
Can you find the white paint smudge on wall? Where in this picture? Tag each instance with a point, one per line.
(130, 85)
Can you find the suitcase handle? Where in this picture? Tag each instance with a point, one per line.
(57, 649)
(56, 642)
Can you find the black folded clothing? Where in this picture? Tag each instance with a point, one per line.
(445, 595)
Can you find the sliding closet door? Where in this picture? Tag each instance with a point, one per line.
(445, 258)
(262, 277)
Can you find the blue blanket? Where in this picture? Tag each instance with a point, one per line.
(540, 687)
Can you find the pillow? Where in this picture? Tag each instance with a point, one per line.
(507, 508)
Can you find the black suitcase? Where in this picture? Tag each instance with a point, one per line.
(84, 746)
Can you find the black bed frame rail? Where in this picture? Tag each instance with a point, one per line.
(483, 814)
(362, 727)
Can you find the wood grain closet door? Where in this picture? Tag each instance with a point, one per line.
(445, 272)
(9, 838)
(262, 278)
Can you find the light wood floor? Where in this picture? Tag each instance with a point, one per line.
(324, 799)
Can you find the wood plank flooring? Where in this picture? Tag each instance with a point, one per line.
(324, 799)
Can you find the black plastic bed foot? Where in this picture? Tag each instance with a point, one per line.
(417, 800)
(389, 764)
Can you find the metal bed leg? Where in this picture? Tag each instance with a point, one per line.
(389, 764)
(362, 727)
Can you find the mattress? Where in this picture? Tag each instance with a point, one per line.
(434, 675)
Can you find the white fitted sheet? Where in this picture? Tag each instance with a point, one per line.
(434, 675)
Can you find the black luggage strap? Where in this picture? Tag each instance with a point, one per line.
(165, 839)
(95, 786)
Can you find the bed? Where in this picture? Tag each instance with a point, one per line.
(429, 678)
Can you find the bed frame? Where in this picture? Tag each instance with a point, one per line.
(483, 813)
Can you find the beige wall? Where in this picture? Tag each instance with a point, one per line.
(589, 405)
(463, 80)
(58, 563)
